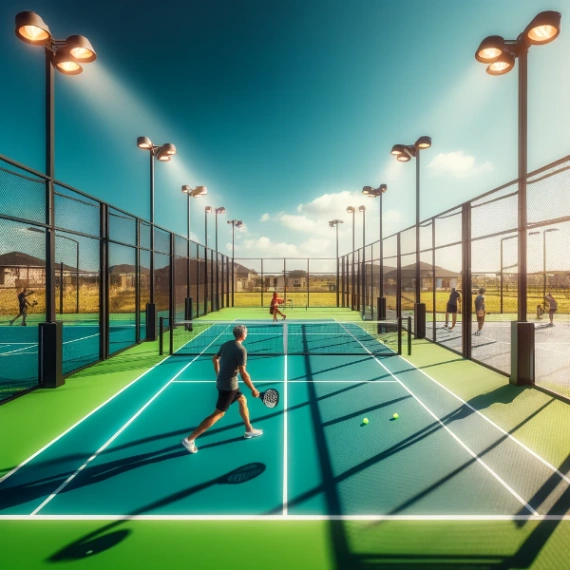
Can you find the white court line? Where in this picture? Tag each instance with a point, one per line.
(214, 381)
(77, 423)
(301, 381)
(35, 344)
(116, 434)
(454, 436)
(514, 439)
(285, 440)
(281, 518)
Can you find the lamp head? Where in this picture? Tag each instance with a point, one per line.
(403, 157)
(397, 149)
(423, 142)
(490, 49)
(503, 64)
(220, 210)
(80, 49)
(368, 190)
(31, 29)
(383, 188)
(208, 209)
(199, 191)
(165, 152)
(362, 208)
(544, 28)
(65, 63)
(144, 143)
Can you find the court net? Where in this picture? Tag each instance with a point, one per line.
(373, 338)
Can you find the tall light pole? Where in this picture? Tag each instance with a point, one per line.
(352, 210)
(220, 210)
(163, 153)
(66, 56)
(207, 210)
(197, 192)
(363, 210)
(235, 224)
(500, 54)
(334, 224)
(377, 193)
(405, 153)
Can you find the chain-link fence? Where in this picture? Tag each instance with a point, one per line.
(91, 266)
(99, 275)
(469, 275)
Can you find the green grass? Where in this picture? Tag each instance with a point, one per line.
(536, 419)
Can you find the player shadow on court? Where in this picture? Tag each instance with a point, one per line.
(502, 395)
(526, 552)
(107, 536)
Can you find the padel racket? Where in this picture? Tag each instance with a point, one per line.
(270, 397)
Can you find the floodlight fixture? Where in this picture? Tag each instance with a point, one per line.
(31, 29)
(490, 49)
(503, 64)
(350, 210)
(544, 28)
(65, 63)
(423, 142)
(66, 54)
(362, 208)
(197, 192)
(80, 48)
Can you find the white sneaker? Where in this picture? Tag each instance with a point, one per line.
(253, 433)
(189, 445)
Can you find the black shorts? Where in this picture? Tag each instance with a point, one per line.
(451, 308)
(226, 398)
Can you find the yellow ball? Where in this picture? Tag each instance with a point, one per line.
(396, 416)
(365, 421)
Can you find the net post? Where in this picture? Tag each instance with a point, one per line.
(400, 321)
(188, 311)
(410, 335)
(380, 312)
(171, 337)
(285, 338)
(161, 336)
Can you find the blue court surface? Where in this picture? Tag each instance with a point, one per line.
(316, 459)
(19, 349)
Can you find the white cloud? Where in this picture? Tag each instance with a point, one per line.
(265, 218)
(264, 247)
(457, 164)
(331, 205)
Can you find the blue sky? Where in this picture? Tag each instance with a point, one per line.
(284, 110)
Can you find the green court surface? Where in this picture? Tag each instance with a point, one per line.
(473, 473)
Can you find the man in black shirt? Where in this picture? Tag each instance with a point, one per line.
(228, 361)
(454, 299)
(23, 304)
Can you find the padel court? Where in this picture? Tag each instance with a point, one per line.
(316, 459)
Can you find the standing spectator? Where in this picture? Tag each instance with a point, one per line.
(480, 310)
(23, 304)
(454, 299)
(553, 306)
